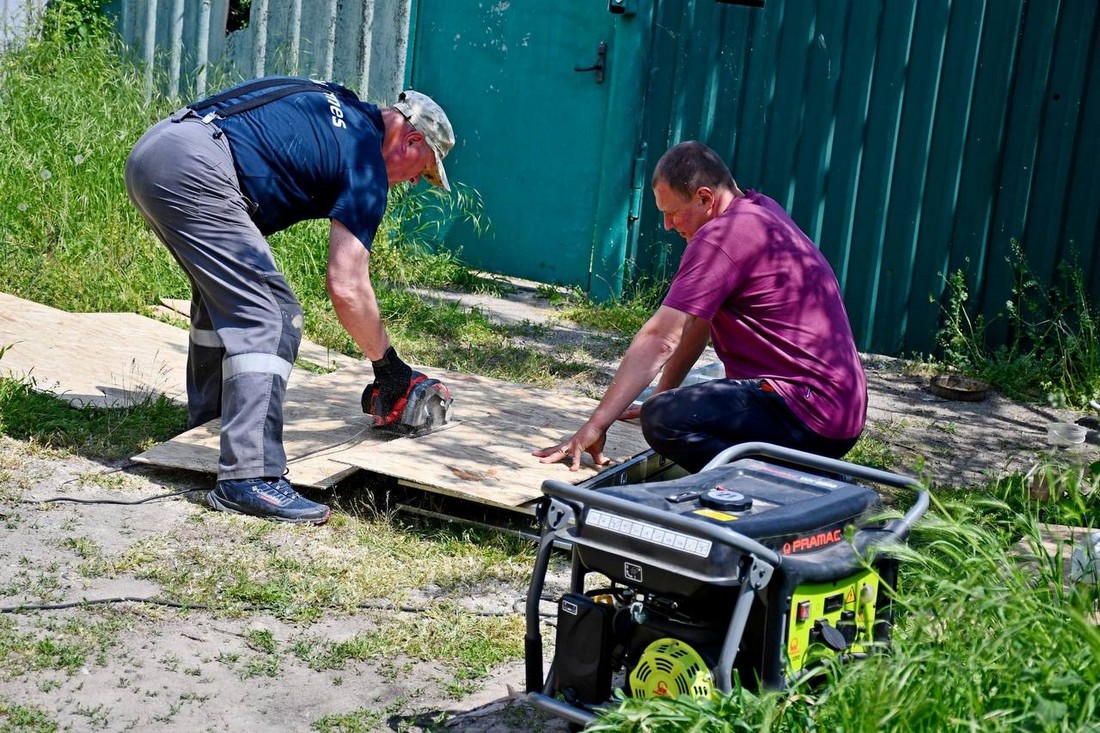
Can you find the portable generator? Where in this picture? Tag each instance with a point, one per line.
(762, 565)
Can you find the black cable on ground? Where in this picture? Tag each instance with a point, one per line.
(366, 605)
(119, 502)
(122, 502)
(98, 602)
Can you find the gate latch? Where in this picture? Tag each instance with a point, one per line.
(601, 63)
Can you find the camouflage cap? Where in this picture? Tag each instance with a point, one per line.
(430, 120)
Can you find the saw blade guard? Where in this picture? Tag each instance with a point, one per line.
(428, 407)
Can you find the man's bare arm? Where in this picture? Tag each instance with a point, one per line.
(349, 288)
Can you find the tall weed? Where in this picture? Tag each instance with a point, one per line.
(1053, 345)
(71, 108)
(625, 315)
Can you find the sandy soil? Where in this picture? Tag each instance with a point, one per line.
(167, 669)
(171, 670)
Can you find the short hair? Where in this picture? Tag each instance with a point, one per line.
(689, 166)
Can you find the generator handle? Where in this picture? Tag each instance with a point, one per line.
(736, 540)
(900, 528)
(810, 460)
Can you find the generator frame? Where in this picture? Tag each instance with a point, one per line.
(563, 516)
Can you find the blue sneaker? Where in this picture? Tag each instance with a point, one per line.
(267, 498)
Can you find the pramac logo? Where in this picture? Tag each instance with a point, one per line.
(811, 542)
(335, 110)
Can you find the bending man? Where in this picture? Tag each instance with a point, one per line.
(213, 181)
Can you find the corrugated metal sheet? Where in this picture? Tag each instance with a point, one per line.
(909, 138)
(359, 43)
(14, 15)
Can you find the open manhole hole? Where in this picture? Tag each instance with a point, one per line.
(956, 387)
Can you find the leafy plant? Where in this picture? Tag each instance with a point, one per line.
(1053, 339)
(625, 315)
(75, 22)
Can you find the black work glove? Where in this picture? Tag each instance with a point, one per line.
(385, 398)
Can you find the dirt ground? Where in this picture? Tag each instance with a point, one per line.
(167, 669)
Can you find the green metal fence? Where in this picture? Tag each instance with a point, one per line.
(909, 138)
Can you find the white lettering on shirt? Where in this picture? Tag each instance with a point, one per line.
(335, 110)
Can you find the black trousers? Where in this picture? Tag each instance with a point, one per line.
(692, 424)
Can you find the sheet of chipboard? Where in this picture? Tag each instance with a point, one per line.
(100, 359)
(107, 359)
(484, 455)
(321, 417)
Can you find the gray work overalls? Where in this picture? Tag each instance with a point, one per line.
(246, 324)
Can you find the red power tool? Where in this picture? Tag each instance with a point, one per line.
(427, 408)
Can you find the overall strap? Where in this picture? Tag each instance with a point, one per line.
(248, 87)
(288, 86)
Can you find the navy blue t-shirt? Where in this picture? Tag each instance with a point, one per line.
(310, 155)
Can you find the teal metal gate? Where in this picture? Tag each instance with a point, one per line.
(546, 103)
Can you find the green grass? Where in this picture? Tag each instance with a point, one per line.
(363, 720)
(107, 433)
(69, 238)
(63, 646)
(625, 316)
(15, 717)
(445, 633)
(239, 567)
(1057, 490)
(264, 568)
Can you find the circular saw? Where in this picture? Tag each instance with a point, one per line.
(427, 409)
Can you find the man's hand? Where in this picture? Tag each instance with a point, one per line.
(386, 397)
(631, 413)
(589, 439)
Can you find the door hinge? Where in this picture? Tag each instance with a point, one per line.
(637, 184)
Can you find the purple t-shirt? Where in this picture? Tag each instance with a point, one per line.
(775, 313)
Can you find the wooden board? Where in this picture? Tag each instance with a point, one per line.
(321, 417)
(309, 462)
(485, 456)
(107, 359)
(100, 359)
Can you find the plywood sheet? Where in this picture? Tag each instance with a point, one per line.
(321, 418)
(309, 444)
(99, 359)
(484, 457)
(487, 456)
(107, 359)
